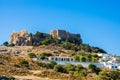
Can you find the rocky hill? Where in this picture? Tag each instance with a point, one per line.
(19, 60)
(24, 39)
(21, 65)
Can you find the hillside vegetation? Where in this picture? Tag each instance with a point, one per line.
(23, 65)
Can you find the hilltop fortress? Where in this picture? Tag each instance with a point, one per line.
(24, 39)
(62, 34)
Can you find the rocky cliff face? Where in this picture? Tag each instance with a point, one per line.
(20, 38)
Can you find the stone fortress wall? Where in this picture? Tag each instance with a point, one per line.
(62, 34)
(24, 39)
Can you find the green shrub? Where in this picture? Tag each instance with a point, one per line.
(48, 66)
(46, 54)
(11, 77)
(59, 68)
(69, 67)
(94, 69)
(57, 41)
(82, 59)
(46, 41)
(83, 73)
(78, 67)
(104, 76)
(111, 75)
(76, 57)
(68, 45)
(80, 73)
(41, 64)
(31, 55)
(6, 43)
(24, 63)
(53, 63)
(42, 57)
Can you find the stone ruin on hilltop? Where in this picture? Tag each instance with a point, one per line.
(20, 38)
(24, 39)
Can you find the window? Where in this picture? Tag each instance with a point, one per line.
(112, 66)
(71, 59)
(52, 58)
(56, 59)
(116, 67)
(62, 59)
(68, 59)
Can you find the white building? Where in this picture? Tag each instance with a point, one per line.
(111, 65)
(100, 54)
(60, 58)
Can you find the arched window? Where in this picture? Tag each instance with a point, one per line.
(56, 59)
(62, 59)
(71, 59)
(68, 59)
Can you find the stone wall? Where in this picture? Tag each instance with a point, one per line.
(62, 34)
(24, 39)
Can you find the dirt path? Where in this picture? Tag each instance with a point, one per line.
(35, 71)
(32, 78)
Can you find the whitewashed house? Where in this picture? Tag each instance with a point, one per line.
(106, 58)
(60, 58)
(35, 59)
(111, 65)
(100, 54)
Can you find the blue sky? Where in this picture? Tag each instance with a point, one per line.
(98, 21)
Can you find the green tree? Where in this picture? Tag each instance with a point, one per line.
(76, 57)
(11, 78)
(59, 68)
(31, 55)
(78, 67)
(39, 35)
(89, 57)
(48, 66)
(94, 69)
(68, 45)
(6, 43)
(57, 41)
(53, 63)
(80, 73)
(24, 63)
(85, 47)
(95, 56)
(46, 41)
(104, 76)
(82, 59)
(42, 57)
(69, 67)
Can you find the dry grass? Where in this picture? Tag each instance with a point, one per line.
(10, 65)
